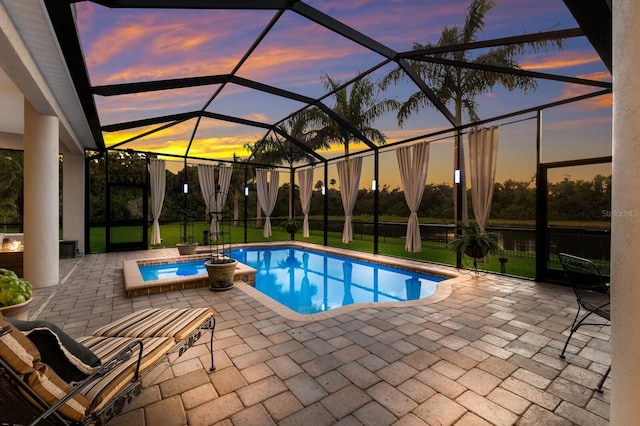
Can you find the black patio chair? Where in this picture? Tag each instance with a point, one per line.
(592, 294)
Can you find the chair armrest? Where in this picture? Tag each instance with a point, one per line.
(109, 365)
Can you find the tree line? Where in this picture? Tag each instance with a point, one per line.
(578, 200)
(569, 199)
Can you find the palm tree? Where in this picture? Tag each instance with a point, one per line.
(461, 86)
(276, 149)
(236, 187)
(359, 106)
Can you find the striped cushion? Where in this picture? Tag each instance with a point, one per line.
(51, 388)
(17, 350)
(105, 389)
(176, 323)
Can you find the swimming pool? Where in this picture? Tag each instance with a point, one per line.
(309, 281)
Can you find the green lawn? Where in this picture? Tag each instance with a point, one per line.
(172, 234)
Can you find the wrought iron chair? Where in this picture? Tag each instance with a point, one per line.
(592, 294)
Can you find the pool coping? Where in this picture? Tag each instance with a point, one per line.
(134, 284)
(244, 278)
(443, 289)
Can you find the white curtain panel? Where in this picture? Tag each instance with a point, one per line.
(224, 179)
(413, 162)
(305, 178)
(483, 154)
(158, 184)
(267, 195)
(349, 175)
(207, 179)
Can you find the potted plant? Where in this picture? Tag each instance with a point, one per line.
(290, 226)
(187, 246)
(475, 243)
(221, 270)
(15, 295)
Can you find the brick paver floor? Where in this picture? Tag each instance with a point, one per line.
(485, 355)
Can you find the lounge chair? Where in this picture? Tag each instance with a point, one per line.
(48, 378)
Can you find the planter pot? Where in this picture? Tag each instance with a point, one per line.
(475, 251)
(19, 311)
(221, 272)
(187, 248)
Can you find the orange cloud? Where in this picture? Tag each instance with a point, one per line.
(559, 60)
(598, 75)
(591, 104)
(106, 48)
(137, 41)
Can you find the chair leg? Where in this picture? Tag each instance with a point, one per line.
(573, 329)
(599, 388)
(213, 326)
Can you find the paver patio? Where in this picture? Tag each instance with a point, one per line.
(487, 354)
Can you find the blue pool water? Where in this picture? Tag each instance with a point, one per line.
(173, 270)
(309, 281)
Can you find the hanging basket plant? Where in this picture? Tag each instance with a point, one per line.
(290, 226)
(475, 243)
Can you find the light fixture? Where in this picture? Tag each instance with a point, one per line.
(246, 191)
(324, 190)
(185, 188)
(456, 176)
(374, 185)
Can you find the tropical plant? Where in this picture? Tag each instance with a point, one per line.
(290, 226)
(359, 105)
(460, 85)
(236, 186)
(474, 243)
(276, 149)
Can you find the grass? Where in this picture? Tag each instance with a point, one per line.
(172, 234)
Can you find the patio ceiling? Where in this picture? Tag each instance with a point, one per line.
(202, 78)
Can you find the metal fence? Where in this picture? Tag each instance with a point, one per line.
(517, 242)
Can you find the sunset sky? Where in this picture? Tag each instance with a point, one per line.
(129, 45)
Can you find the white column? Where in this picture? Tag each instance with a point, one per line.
(41, 238)
(625, 223)
(73, 198)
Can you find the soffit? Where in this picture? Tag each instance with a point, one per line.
(33, 62)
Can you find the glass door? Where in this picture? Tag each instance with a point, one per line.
(578, 215)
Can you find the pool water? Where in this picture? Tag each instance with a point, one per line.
(173, 270)
(309, 282)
